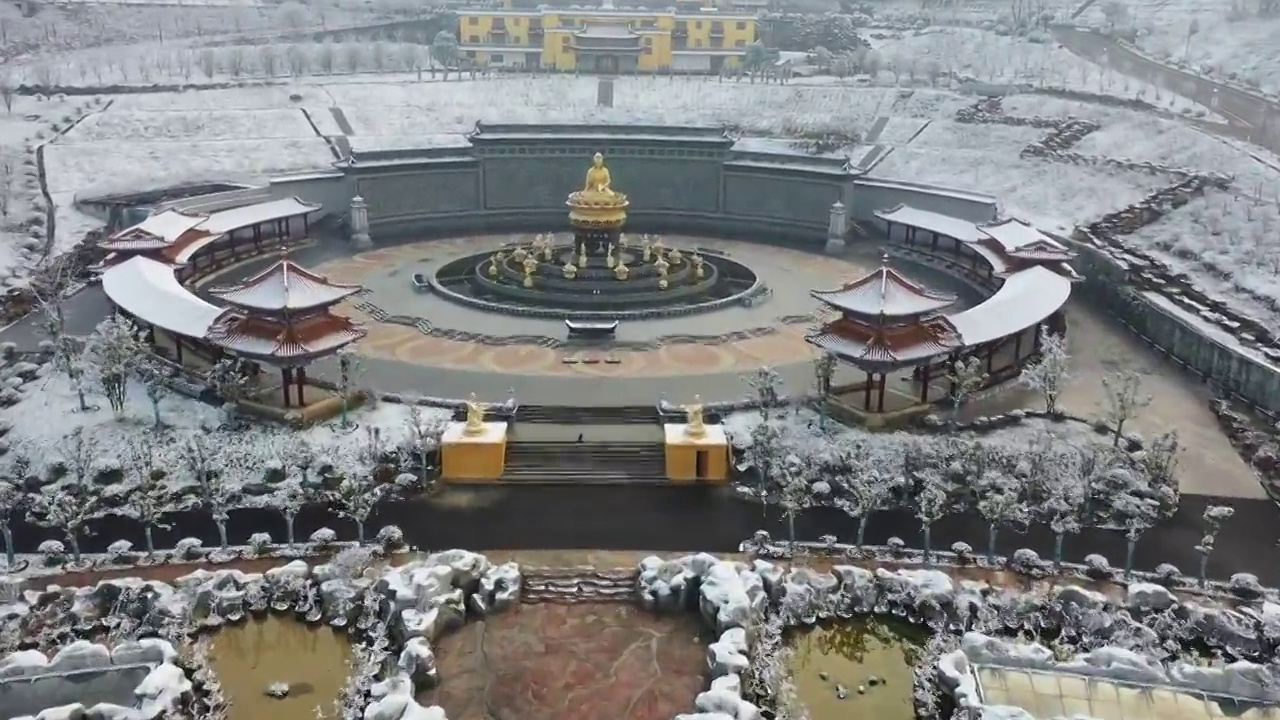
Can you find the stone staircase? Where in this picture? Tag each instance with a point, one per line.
(587, 463)
(585, 415)
(578, 585)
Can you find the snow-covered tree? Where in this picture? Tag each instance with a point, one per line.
(290, 498)
(150, 499)
(68, 510)
(1000, 502)
(298, 59)
(824, 366)
(230, 379)
(932, 501)
(154, 375)
(359, 492)
(765, 384)
(1049, 374)
(1214, 516)
(199, 456)
(794, 477)
(424, 438)
(80, 452)
(864, 486)
(112, 351)
(68, 350)
(1122, 399)
(1136, 514)
(763, 454)
(12, 499)
(444, 50)
(349, 370)
(1061, 493)
(966, 377)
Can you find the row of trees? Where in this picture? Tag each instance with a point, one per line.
(1045, 478)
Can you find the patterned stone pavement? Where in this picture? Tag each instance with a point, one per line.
(779, 340)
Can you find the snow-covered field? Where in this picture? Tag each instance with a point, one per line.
(1054, 196)
(1007, 59)
(1230, 39)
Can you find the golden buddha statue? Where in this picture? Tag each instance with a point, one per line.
(598, 179)
(475, 417)
(695, 426)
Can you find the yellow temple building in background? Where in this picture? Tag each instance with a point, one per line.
(607, 39)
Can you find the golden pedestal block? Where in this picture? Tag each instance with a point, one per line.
(691, 460)
(473, 458)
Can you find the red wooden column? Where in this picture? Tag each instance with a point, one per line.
(924, 382)
(302, 380)
(866, 393)
(880, 393)
(286, 378)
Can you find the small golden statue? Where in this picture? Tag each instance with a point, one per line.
(582, 256)
(493, 265)
(570, 271)
(661, 265)
(598, 179)
(475, 418)
(529, 266)
(675, 257)
(621, 271)
(609, 259)
(662, 284)
(520, 254)
(646, 251)
(698, 272)
(622, 240)
(694, 427)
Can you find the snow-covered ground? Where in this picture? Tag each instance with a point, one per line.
(249, 453)
(1054, 196)
(1230, 39)
(1008, 59)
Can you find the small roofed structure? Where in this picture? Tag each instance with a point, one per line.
(886, 322)
(282, 317)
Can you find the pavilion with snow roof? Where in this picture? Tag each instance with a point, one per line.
(282, 317)
(889, 323)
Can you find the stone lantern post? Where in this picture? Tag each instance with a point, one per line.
(360, 223)
(836, 229)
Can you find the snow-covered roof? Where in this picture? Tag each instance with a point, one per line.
(185, 252)
(225, 221)
(155, 232)
(285, 286)
(1014, 234)
(952, 227)
(895, 345)
(1026, 298)
(148, 290)
(319, 335)
(885, 292)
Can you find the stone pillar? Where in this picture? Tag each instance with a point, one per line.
(360, 223)
(604, 92)
(836, 229)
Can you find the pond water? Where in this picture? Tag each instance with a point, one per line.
(277, 648)
(850, 653)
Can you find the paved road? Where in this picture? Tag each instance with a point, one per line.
(667, 518)
(1252, 118)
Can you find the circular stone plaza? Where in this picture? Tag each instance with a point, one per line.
(667, 269)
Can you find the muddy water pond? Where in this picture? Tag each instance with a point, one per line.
(852, 653)
(250, 656)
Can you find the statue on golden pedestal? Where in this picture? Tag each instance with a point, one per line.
(475, 418)
(695, 426)
(598, 179)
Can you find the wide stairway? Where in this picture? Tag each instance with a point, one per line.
(587, 415)
(571, 462)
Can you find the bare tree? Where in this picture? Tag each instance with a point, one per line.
(293, 16)
(1214, 516)
(268, 60)
(298, 59)
(68, 510)
(7, 171)
(208, 61)
(1122, 399)
(325, 57)
(186, 64)
(353, 57)
(8, 91)
(236, 60)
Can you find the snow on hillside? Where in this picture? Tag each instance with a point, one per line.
(207, 126)
(384, 115)
(1012, 60)
(1054, 196)
(1230, 245)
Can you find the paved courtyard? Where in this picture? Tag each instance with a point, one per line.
(1053, 695)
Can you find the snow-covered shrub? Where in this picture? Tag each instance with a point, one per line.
(1097, 567)
(1027, 562)
(896, 545)
(188, 548)
(828, 544)
(963, 552)
(119, 552)
(390, 537)
(259, 543)
(53, 551)
(324, 537)
(1245, 585)
(1168, 575)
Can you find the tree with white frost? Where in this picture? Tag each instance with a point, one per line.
(290, 498)
(1136, 515)
(765, 383)
(863, 487)
(763, 454)
(1122, 399)
(794, 477)
(79, 453)
(150, 499)
(359, 492)
(68, 350)
(217, 497)
(349, 371)
(424, 438)
(966, 377)
(1061, 493)
(824, 367)
(229, 379)
(154, 374)
(69, 510)
(12, 499)
(444, 50)
(1049, 374)
(1000, 502)
(111, 351)
(932, 501)
(199, 456)
(1214, 516)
